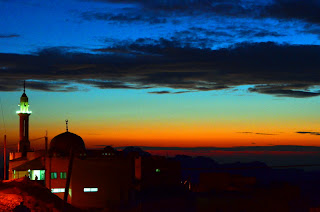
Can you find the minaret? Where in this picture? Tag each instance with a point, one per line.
(24, 113)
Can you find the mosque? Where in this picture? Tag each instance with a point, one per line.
(88, 178)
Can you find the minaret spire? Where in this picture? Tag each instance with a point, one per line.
(67, 125)
(24, 86)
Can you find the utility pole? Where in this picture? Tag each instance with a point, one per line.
(45, 158)
(5, 158)
(46, 143)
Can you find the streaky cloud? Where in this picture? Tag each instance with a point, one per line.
(280, 70)
(9, 36)
(306, 132)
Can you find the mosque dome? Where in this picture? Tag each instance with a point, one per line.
(62, 144)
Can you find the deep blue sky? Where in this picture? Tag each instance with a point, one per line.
(149, 72)
(29, 26)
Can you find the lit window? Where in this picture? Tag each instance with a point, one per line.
(90, 189)
(54, 175)
(37, 174)
(63, 175)
(157, 170)
(42, 175)
(58, 190)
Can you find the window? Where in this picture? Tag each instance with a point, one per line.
(54, 175)
(37, 174)
(90, 189)
(63, 175)
(106, 153)
(58, 190)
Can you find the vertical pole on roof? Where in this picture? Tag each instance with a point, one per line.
(5, 157)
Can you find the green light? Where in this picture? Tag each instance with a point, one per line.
(157, 170)
(54, 175)
(24, 106)
(63, 175)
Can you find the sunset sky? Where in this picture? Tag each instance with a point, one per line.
(183, 73)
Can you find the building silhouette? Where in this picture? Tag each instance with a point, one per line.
(90, 178)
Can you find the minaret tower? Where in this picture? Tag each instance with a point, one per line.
(24, 113)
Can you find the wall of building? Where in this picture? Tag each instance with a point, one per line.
(58, 165)
(112, 178)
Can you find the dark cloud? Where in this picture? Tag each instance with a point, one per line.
(56, 86)
(257, 133)
(163, 5)
(207, 38)
(254, 32)
(303, 10)
(164, 8)
(123, 17)
(206, 32)
(159, 92)
(307, 11)
(181, 92)
(264, 134)
(9, 35)
(51, 86)
(311, 29)
(115, 51)
(311, 133)
(111, 84)
(285, 91)
(168, 92)
(280, 70)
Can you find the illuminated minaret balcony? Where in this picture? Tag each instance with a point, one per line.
(24, 105)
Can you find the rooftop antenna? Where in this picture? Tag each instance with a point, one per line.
(67, 125)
